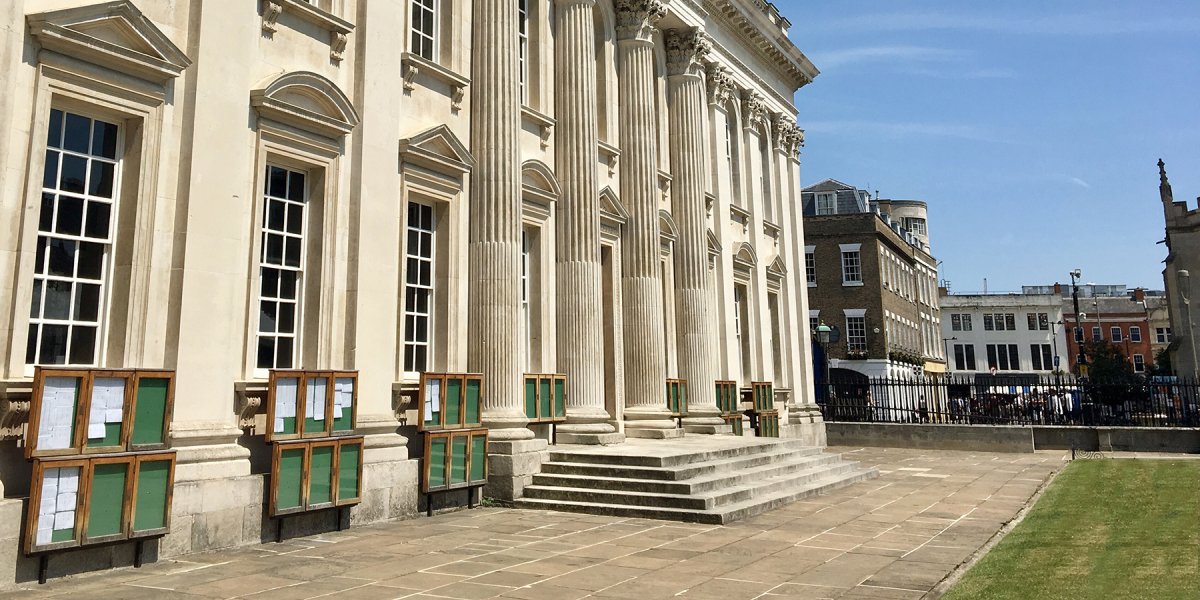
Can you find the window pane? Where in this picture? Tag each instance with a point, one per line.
(276, 182)
(266, 352)
(269, 285)
(283, 353)
(101, 182)
(74, 171)
(54, 345)
(77, 134)
(275, 212)
(273, 252)
(104, 139)
(287, 317)
(295, 186)
(287, 285)
(62, 257)
(58, 300)
(46, 214)
(31, 343)
(35, 306)
(91, 260)
(295, 219)
(292, 254)
(54, 135)
(83, 345)
(98, 214)
(50, 174)
(266, 316)
(70, 216)
(87, 302)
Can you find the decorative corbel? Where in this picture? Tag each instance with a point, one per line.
(408, 75)
(15, 400)
(337, 45)
(270, 15)
(404, 398)
(457, 93)
(251, 402)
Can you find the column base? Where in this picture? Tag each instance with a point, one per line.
(507, 427)
(705, 420)
(653, 434)
(512, 465)
(708, 429)
(591, 439)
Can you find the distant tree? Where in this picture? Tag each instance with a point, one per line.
(1111, 379)
(1162, 363)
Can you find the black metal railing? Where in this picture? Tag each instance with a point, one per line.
(1015, 400)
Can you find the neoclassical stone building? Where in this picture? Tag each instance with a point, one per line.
(604, 189)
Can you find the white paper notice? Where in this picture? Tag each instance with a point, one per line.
(64, 520)
(43, 536)
(95, 431)
(47, 505)
(343, 400)
(285, 397)
(278, 425)
(113, 415)
(65, 502)
(433, 398)
(68, 480)
(58, 413)
(314, 405)
(108, 395)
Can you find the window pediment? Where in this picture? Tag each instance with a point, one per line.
(114, 35)
(746, 256)
(611, 208)
(777, 269)
(437, 149)
(666, 226)
(714, 245)
(306, 101)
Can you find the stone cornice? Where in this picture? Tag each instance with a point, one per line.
(761, 34)
(636, 19)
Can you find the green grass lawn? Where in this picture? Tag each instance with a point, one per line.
(1104, 529)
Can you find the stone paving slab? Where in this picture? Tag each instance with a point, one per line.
(892, 537)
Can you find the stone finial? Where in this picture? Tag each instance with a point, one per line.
(1164, 186)
(720, 84)
(636, 18)
(686, 50)
(753, 109)
(1162, 172)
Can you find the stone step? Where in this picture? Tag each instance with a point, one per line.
(623, 480)
(718, 515)
(676, 473)
(678, 458)
(724, 495)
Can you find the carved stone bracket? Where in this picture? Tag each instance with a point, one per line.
(544, 123)
(686, 50)
(720, 84)
(405, 396)
(636, 18)
(412, 65)
(271, 9)
(15, 399)
(753, 109)
(337, 45)
(251, 401)
(610, 155)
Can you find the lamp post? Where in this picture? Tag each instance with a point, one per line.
(1081, 358)
(946, 342)
(823, 334)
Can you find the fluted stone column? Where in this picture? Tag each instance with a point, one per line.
(577, 235)
(494, 239)
(688, 118)
(646, 413)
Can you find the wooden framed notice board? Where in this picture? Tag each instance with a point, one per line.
(455, 460)
(545, 398)
(311, 404)
(450, 401)
(729, 403)
(455, 438)
(315, 474)
(96, 411)
(677, 397)
(763, 395)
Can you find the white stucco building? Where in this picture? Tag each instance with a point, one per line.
(605, 189)
(1005, 334)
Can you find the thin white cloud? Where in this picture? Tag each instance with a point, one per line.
(957, 74)
(880, 129)
(1093, 24)
(846, 56)
(1079, 182)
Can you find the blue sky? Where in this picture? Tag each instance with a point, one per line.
(1031, 128)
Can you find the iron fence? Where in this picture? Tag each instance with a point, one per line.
(1026, 400)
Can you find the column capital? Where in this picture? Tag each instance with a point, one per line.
(720, 84)
(686, 50)
(753, 109)
(636, 19)
(781, 126)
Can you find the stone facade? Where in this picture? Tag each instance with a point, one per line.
(606, 189)
(1181, 275)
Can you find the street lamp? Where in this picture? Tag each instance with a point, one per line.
(1081, 358)
(824, 333)
(946, 342)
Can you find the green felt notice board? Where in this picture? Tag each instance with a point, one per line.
(677, 397)
(727, 397)
(454, 459)
(98, 411)
(768, 424)
(735, 422)
(315, 474)
(450, 401)
(545, 397)
(98, 499)
(311, 404)
(764, 396)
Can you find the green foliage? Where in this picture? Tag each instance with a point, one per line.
(1110, 374)
(1104, 529)
(1162, 363)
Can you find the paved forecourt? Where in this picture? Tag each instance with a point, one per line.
(892, 537)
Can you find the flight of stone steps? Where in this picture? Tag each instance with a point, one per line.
(703, 479)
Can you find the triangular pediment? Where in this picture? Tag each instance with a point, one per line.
(438, 149)
(611, 207)
(714, 245)
(111, 34)
(777, 268)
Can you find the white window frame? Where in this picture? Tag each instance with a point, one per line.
(851, 252)
(830, 204)
(1115, 334)
(42, 277)
(857, 318)
(527, 274)
(413, 283)
(1135, 334)
(810, 265)
(1139, 363)
(433, 8)
(266, 233)
(523, 48)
